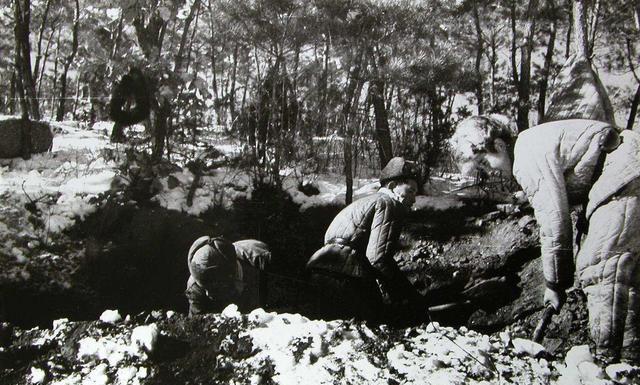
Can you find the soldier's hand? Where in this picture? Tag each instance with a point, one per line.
(554, 298)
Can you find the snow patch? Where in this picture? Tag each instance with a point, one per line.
(110, 316)
(144, 338)
(37, 376)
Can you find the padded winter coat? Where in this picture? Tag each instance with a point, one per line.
(362, 240)
(607, 261)
(248, 292)
(554, 163)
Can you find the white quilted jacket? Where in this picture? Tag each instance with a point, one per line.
(554, 163)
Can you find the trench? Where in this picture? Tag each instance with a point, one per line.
(134, 259)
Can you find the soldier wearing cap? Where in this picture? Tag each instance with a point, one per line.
(223, 273)
(355, 268)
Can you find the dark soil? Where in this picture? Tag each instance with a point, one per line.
(479, 261)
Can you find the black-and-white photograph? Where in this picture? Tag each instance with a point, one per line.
(319, 192)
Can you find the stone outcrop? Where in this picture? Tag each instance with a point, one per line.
(12, 137)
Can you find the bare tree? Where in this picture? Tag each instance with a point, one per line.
(548, 59)
(25, 86)
(524, 82)
(67, 64)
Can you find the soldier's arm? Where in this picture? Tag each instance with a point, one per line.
(383, 241)
(541, 177)
(199, 302)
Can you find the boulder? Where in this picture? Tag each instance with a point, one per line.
(11, 137)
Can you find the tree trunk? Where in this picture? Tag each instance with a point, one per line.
(630, 56)
(43, 25)
(634, 109)
(376, 95)
(12, 93)
(580, 42)
(347, 131)
(77, 96)
(55, 75)
(514, 43)
(593, 26)
(161, 126)
(323, 94)
(232, 91)
(67, 65)
(117, 37)
(40, 76)
(191, 40)
(548, 60)
(383, 133)
(567, 40)
(389, 97)
(479, 52)
(185, 33)
(24, 86)
(150, 37)
(219, 108)
(524, 86)
(492, 58)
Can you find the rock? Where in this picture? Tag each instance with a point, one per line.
(620, 372)
(110, 316)
(505, 337)
(11, 137)
(59, 323)
(508, 208)
(260, 317)
(98, 376)
(520, 197)
(172, 182)
(231, 311)
(145, 337)
(528, 347)
(37, 376)
(578, 354)
(126, 374)
(590, 372)
(142, 373)
(525, 221)
(6, 331)
(492, 216)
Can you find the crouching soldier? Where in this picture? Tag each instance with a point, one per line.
(223, 273)
(584, 161)
(355, 266)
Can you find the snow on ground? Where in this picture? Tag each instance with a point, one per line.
(290, 349)
(81, 165)
(62, 182)
(319, 352)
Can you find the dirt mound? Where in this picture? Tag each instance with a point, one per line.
(272, 348)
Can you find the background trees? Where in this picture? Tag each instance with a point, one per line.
(384, 77)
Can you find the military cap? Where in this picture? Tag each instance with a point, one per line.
(212, 259)
(398, 168)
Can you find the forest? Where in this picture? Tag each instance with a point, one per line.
(380, 77)
(130, 128)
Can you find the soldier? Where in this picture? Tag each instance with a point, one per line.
(587, 162)
(483, 145)
(223, 273)
(357, 262)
